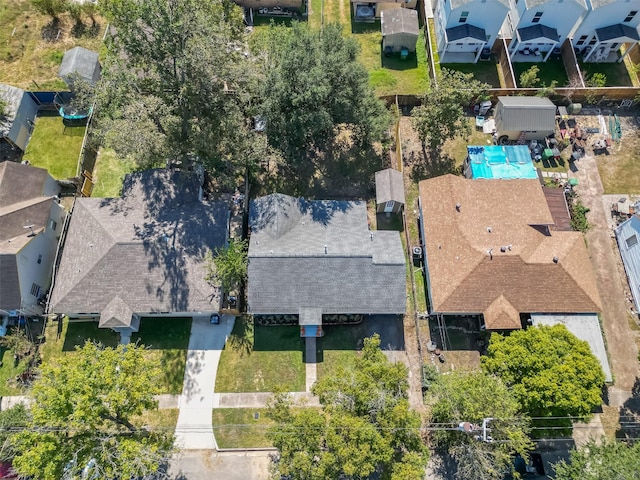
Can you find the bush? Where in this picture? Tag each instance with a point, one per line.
(52, 8)
(429, 375)
(578, 213)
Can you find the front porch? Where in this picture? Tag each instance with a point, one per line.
(609, 43)
(534, 44)
(458, 57)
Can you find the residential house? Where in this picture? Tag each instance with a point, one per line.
(31, 221)
(627, 235)
(400, 30)
(465, 27)
(389, 191)
(490, 252)
(316, 261)
(608, 30)
(543, 25)
(17, 120)
(524, 118)
(142, 255)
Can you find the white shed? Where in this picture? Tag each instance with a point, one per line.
(400, 29)
(524, 118)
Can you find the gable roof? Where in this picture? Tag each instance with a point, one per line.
(536, 31)
(9, 283)
(628, 236)
(466, 31)
(146, 249)
(20, 182)
(389, 186)
(525, 114)
(399, 20)
(469, 272)
(618, 31)
(321, 254)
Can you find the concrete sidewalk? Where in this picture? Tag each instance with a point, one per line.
(259, 399)
(194, 429)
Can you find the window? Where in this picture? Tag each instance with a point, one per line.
(39, 259)
(537, 17)
(35, 290)
(582, 39)
(52, 224)
(592, 41)
(631, 241)
(463, 17)
(632, 14)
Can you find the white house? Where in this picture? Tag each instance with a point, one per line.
(607, 26)
(31, 221)
(542, 26)
(465, 27)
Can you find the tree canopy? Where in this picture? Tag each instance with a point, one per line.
(176, 83)
(315, 84)
(441, 115)
(472, 397)
(83, 414)
(365, 425)
(229, 264)
(610, 460)
(548, 369)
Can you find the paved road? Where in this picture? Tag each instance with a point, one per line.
(209, 465)
(194, 429)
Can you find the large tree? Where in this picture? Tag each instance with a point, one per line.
(471, 399)
(84, 409)
(441, 115)
(550, 371)
(608, 460)
(228, 266)
(177, 83)
(315, 85)
(365, 425)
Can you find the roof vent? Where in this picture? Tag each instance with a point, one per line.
(490, 253)
(371, 235)
(509, 247)
(503, 249)
(556, 259)
(489, 229)
(326, 250)
(458, 206)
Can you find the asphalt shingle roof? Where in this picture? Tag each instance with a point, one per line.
(389, 186)
(399, 20)
(538, 31)
(466, 31)
(618, 31)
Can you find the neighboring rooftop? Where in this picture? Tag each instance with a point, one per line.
(628, 236)
(501, 162)
(489, 250)
(321, 254)
(466, 31)
(143, 252)
(539, 30)
(619, 31)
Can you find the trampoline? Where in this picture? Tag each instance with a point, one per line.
(70, 113)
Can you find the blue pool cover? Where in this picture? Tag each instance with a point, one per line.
(503, 162)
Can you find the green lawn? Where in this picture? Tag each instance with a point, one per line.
(8, 373)
(548, 72)
(167, 339)
(55, 147)
(339, 347)
(486, 72)
(616, 73)
(238, 427)
(109, 174)
(260, 359)
(162, 419)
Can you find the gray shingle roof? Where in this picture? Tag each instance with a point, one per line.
(618, 31)
(82, 62)
(466, 31)
(362, 271)
(20, 182)
(12, 96)
(399, 20)
(537, 3)
(146, 248)
(9, 283)
(538, 31)
(389, 186)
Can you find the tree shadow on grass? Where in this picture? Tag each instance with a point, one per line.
(50, 31)
(425, 166)
(172, 364)
(630, 415)
(241, 337)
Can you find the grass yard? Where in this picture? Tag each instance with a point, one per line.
(549, 71)
(162, 419)
(620, 171)
(616, 73)
(259, 359)
(29, 61)
(486, 72)
(238, 427)
(339, 347)
(8, 373)
(55, 147)
(109, 174)
(167, 339)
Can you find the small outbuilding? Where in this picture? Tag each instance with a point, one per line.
(400, 29)
(82, 62)
(17, 120)
(524, 118)
(389, 191)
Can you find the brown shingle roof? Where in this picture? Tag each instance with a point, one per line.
(469, 272)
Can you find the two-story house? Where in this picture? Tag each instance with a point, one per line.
(31, 221)
(465, 27)
(543, 25)
(608, 30)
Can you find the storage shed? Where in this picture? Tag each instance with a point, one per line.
(389, 191)
(400, 29)
(524, 118)
(628, 236)
(20, 112)
(82, 62)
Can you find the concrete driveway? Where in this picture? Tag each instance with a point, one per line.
(208, 465)
(194, 429)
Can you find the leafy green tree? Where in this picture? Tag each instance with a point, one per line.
(472, 397)
(83, 413)
(609, 460)
(596, 80)
(365, 425)
(176, 83)
(52, 8)
(314, 85)
(11, 420)
(229, 265)
(548, 369)
(441, 116)
(529, 78)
